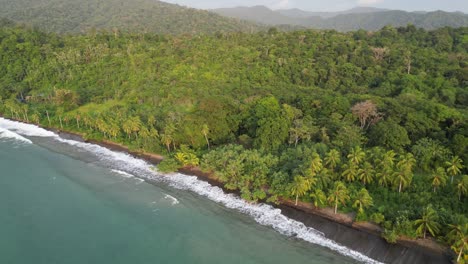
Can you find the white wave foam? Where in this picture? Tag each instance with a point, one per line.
(4, 133)
(25, 129)
(172, 198)
(262, 213)
(124, 174)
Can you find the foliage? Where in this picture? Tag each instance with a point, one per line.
(257, 110)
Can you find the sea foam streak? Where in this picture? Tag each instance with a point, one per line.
(124, 174)
(262, 213)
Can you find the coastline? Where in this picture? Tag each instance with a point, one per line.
(360, 236)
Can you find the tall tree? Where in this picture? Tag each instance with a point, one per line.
(338, 195)
(363, 200)
(454, 167)
(427, 222)
(299, 187)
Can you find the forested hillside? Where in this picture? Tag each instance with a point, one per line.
(80, 16)
(354, 19)
(371, 123)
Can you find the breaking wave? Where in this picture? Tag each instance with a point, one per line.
(7, 134)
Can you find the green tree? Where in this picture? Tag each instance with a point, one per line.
(363, 200)
(427, 222)
(458, 238)
(333, 159)
(299, 187)
(357, 155)
(338, 195)
(454, 167)
(366, 173)
(319, 198)
(439, 178)
(462, 186)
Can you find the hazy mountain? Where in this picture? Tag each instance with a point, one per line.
(74, 16)
(357, 18)
(298, 13)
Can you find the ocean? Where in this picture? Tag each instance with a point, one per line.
(66, 202)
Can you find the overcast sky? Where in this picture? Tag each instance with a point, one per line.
(333, 5)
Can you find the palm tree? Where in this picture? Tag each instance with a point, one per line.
(356, 155)
(299, 187)
(366, 173)
(439, 178)
(385, 176)
(332, 159)
(339, 194)
(454, 167)
(363, 200)
(428, 222)
(166, 139)
(350, 171)
(404, 174)
(462, 186)
(205, 130)
(315, 164)
(407, 162)
(319, 198)
(458, 237)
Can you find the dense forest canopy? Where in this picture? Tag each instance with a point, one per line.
(78, 16)
(371, 123)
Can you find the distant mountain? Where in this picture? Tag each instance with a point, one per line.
(75, 16)
(357, 18)
(298, 13)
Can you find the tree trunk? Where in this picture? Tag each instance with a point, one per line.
(60, 119)
(336, 207)
(77, 123)
(399, 188)
(451, 180)
(296, 141)
(48, 118)
(207, 141)
(297, 198)
(461, 251)
(424, 232)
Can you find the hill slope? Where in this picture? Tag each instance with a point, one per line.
(357, 18)
(69, 16)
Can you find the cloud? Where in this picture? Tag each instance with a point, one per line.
(369, 2)
(281, 4)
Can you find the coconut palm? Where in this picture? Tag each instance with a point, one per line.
(332, 159)
(454, 167)
(315, 164)
(458, 237)
(205, 130)
(299, 187)
(319, 198)
(402, 177)
(339, 194)
(385, 176)
(439, 178)
(428, 222)
(363, 200)
(462, 186)
(366, 173)
(350, 172)
(356, 155)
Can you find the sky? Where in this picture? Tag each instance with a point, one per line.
(332, 5)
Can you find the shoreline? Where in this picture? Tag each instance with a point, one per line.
(363, 237)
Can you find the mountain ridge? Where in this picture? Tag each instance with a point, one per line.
(68, 16)
(357, 18)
